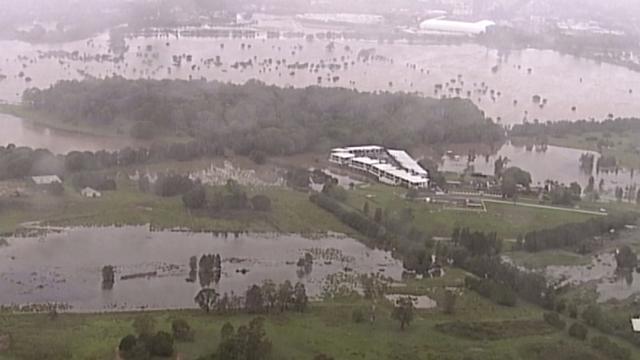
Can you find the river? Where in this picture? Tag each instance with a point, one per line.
(65, 267)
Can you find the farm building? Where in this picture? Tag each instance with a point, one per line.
(393, 167)
(45, 180)
(442, 26)
(90, 193)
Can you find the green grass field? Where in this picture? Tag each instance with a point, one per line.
(291, 212)
(507, 220)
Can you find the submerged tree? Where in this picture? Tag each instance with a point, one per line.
(403, 311)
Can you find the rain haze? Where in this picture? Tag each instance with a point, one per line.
(319, 179)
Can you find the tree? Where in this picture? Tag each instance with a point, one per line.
(108, 277)
(206, 299)
(626, 258)
(377, 217)
(144, 324)
(449, 303)
(300, 298)
(285, 295)
(195, 198)
(254, 302)
(181, 330)
(403, 311)
(365, 208)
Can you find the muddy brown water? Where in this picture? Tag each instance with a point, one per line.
(65, 267)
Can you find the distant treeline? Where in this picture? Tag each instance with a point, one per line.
(255, 117)
(18, 162)
(576, 236)
(565, 127)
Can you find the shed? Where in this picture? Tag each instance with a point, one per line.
(90, 193)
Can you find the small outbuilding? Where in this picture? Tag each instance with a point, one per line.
(90, 193)
(46, 180)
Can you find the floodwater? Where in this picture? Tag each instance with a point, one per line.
(19, 132)
(502, 84)
(610, 284)
(548, 163)
(65, 267)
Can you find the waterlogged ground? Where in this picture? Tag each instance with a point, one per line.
(550, 162)
(65, 267)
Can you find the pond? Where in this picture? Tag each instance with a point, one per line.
(65, 267)
(502, 84)
(548, 163)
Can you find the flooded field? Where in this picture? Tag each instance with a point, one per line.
(610, 284)
(65, 267)
(19, 132)
(502, 84)
(548, 163)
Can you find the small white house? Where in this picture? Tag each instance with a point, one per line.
(90, 193)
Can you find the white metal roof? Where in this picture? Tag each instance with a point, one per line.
(344, 155)
(406, 161)
(365, 160)
(358, 148)
(635, 323)
(47, 179)
(442, 25)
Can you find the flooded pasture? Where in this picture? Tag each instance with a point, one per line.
(503, 84)
(545, 163)
(610, 283)
(152, 267)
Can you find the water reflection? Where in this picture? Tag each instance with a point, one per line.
(155, 269)
(545, 163)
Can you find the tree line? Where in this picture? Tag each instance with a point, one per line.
(256, 117)
(576, 236)
(18, 162)
(258, 299)
(566, 127)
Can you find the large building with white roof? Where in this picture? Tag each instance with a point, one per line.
(450, 27)
(393, 167)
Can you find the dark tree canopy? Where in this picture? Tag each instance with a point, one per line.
(255, 117)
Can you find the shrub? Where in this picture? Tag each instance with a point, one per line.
(578, 331)
(610, 349)
(127, 343)
(358, 316)
(554, 320)
(182, 330)
(162, 344)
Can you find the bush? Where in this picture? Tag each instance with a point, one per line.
(554, 320)
(162, 344)
(578, 331)
(127, 343)
(195, 198)
(182, 330)
(358, 316)
(573, 311)
(610, 349)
